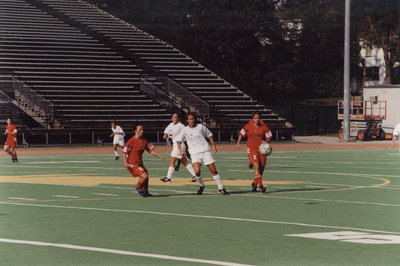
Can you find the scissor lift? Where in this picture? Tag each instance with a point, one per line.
(365, 119)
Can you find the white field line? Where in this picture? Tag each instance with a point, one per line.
(16, 198)
(65, 196)
(325, 200)
(119, 252)
(104, 194)
(250, 195)
(200, 217)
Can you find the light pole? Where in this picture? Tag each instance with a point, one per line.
(346, 83)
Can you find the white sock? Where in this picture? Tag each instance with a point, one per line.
(116, 153)
(170, 172)
(200, 180)
(189, 167)
(219, 182)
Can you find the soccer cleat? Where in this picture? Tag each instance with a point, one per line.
(223, 191)
(194, 178)
(116, 157)
(165, 179)
(148, 195)
(13, 160)
(263, 189)
(253, 187)
(141, 192)
(201, 189)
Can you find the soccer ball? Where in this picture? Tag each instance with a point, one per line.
(265, 149)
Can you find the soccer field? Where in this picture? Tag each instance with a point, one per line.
(323, 207)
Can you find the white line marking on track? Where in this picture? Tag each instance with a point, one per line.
(65, 196)
(104, 194)
(116, 251)
(15, 198)
(199, 216)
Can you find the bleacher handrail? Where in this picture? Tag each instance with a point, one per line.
(164, 88)
(39, 108)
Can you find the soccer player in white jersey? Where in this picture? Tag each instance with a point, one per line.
(196, 137)
(396, 135)
(118, 139)
(171, 131)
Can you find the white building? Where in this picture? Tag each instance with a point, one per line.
(389, 94)
(374, 72)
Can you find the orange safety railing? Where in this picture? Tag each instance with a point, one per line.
(361, 110)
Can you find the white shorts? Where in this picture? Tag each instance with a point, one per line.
(206, 157)
(175, 151)
(119, 140)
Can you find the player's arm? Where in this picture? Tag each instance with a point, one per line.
(157, 155)
(125, 160)
(394, 140)
(268, 135)
(125, 156)
(179, 145)
(239, 140)
(213, 146)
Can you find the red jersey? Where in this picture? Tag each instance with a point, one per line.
(255, 134)
(11, 139)
(135, 148)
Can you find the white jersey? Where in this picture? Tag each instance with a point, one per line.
(396, 131)
(195, 138)
(173, 130)
(118, 137)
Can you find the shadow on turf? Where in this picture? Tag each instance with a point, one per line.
(277, 191)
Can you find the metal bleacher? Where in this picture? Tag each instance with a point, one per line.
(87, 81)
(89, 64)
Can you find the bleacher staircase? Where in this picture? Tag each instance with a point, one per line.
(89, 64)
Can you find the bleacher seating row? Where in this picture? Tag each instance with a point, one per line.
(89, 64)
(86, 80)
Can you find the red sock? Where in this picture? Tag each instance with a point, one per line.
(10, 153)
(258, 180)
(140, 185)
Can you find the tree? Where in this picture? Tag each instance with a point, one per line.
(378, 25)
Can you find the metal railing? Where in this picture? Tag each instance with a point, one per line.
(166, 91)
(34, 105)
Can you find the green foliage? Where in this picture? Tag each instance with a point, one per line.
(255, 44)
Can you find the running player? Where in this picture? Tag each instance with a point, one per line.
(396, 135)
(256, 132)
(172, 130)
(118, 139)
(11, 141)
(132, 155)
(195, 135)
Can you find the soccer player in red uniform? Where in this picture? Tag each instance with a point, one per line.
(132, 155)
(256, 132)
(11, 141)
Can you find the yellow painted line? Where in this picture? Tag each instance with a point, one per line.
(88, 180)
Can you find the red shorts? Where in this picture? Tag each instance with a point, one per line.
(12, 142)
(137, 170)
(255, 157)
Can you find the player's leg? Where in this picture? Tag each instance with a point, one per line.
(262, 162)
(142, 184)
(115, 151)
(14, 154)
(209, 161)
(189, 167)
(7, 149)
(196, 162)
(171, 169)
(253, 160)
